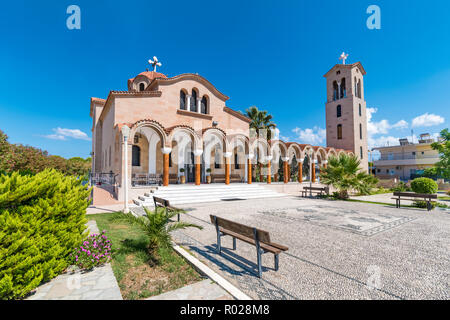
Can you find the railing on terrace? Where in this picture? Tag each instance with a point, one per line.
(146, 179)
(406, 156)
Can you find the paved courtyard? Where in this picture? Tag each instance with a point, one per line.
(337, 250)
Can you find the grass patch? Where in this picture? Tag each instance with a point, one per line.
(139, 274)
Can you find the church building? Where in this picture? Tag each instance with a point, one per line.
(182, 131)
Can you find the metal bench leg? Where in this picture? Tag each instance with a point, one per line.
(276, 262)
(234, 243)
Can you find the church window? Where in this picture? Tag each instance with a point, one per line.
(193, 106)
(182, 100)
(338, 111)
(204, 105)
(339, 131)
(136, 156)
(141, 86)
(335, 91)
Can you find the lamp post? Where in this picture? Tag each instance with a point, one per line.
(125, 134)
(310, 172)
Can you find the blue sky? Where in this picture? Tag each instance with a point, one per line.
(271, 54)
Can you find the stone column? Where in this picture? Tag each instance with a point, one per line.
(285, 168)
(227, 156)
(249, 168)
(313, 171)
(300, 171)
(269, 170)
(198, 161)
(166, 152)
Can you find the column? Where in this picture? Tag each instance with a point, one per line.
(269, 170)
(249, 168)
(313, 169)
(300, 171)
(227, 156)
(166, 152)
(285, 168)
(198, 161)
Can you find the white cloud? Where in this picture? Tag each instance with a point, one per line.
(314, 136)
(63, 134)
(427, 120)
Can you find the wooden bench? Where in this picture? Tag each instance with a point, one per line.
(259, 238)
(221, 178)
(414, 196)
(163, 203)
(316, 190)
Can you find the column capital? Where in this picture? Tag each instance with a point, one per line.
(198, 152)
(227, 154)
(166, 150)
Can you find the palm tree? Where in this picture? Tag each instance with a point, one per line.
(260, 120)
(157, 226)
(344, 174)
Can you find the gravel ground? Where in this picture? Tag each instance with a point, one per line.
(337, 249)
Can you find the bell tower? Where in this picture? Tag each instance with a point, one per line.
(346, 119)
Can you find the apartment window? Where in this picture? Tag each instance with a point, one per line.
(339, 131)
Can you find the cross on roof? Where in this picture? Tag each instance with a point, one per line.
(343, 57)
(154, 63)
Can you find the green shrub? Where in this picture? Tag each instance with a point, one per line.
(424, 185)
(42, 218)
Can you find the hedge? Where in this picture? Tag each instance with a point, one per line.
(42, 218)
(424, 185)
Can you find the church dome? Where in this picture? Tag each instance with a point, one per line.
(143, 79)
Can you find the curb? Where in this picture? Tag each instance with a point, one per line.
(203, 268)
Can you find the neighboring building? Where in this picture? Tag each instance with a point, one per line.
(405, 160)
(183, 122)
(346, 118)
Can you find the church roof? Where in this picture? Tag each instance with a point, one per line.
(349, 66)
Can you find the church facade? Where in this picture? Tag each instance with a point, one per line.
(182, 130)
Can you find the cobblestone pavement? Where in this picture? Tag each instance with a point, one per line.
(98, 284)
(337, 249)
(202, 290)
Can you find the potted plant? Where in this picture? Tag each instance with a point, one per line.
(208, 177)
(182, 177)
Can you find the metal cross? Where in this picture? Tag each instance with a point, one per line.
(154, 63)
(343, 57)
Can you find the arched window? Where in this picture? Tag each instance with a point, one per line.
(182, 100)
(136, 156)
(142, 86)
(335, 91)
(193, 106)
(359, 88)
(204, 105)
(343, 92)
(360, 131)
(339, 131)
(338, 111)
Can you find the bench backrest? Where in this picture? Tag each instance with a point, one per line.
(241, 229)
(160, 202)
(415, 195)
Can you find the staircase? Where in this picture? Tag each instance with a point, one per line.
(184, 194)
